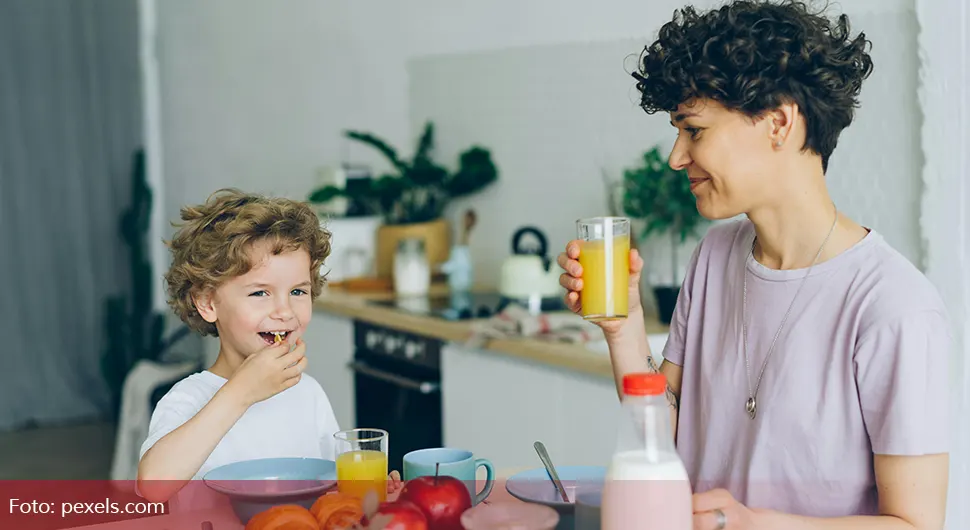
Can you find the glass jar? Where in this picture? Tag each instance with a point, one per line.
(412, 272)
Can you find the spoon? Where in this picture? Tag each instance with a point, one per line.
(547, 462)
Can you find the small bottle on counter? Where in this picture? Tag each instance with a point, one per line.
(647, 486)
(412, 272)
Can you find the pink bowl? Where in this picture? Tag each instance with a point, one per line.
(510, 516)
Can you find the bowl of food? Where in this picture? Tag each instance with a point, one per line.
(254, 486)
(536, 486)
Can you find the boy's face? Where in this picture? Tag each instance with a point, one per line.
(274, 296)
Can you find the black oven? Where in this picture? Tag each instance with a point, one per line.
(397, 387)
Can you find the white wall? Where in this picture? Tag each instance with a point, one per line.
(557, 115)
(255, 94)
(944, 93)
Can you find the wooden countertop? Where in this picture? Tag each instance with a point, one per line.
(576, 357)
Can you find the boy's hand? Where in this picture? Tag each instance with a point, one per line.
(394, 483)
(269, 372)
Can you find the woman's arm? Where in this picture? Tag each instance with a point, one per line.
(630, 353)
(912, 496)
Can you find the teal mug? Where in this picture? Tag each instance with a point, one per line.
(457, 463)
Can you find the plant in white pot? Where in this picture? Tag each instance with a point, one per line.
(661, 198)
(413, 198)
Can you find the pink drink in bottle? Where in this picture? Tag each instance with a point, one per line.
(647, 487)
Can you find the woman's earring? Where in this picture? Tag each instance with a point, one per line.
(779, 143)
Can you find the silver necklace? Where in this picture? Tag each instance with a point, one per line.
(751, 405)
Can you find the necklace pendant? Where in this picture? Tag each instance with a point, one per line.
(751, 406)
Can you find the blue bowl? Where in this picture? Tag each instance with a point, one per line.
(254, 486)
(536, 486)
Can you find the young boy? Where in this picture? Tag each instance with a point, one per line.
(245, 268)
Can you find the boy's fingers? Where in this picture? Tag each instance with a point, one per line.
(278, 348)
(296, 368)
(294, 350)
(292, 358)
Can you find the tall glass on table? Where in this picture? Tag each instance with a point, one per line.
(604, 255)
(362, 462)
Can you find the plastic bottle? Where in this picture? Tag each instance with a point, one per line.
(647, 486)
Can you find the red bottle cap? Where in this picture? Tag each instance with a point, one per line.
(644, 384)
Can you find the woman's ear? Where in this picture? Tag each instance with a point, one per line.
(782, 122)
(205, 305)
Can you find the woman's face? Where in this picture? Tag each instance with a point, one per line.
(729, 157)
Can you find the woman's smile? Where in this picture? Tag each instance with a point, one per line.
(697, 182)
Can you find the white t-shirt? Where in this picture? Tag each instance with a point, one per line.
(297, 422)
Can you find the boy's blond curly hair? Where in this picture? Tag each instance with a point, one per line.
(212, 244)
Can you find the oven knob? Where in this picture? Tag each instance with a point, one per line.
(411, 350)
(372, 339)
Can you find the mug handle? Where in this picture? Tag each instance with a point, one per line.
(489, 479)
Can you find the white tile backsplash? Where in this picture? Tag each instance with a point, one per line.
(556, 117)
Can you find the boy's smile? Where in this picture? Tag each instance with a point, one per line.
(275, 337)
(268, 305)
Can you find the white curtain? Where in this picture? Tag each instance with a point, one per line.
(70, 121)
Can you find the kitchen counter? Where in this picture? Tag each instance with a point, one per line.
(576, 357)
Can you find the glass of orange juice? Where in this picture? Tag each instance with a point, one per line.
(362, 462)
(604, 254)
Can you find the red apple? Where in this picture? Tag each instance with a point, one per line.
(403, 516)
(442, 499)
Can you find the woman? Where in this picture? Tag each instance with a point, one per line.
(807, 359)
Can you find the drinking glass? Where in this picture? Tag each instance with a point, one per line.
(604, 254)
(362, 462)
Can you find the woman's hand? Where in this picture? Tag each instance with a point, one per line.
(572, 280)
(719, 510)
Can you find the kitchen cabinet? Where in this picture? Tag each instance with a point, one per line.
(498, 405)
(591, 411)
(330, 348)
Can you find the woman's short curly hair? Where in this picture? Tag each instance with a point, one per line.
(752, 56)
(212, 245)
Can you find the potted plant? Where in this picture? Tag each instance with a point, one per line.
(135, 330)
(412, 199)
(661, 198)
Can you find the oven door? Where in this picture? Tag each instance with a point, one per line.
(400, 397)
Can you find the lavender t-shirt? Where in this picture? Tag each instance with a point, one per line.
(859, 368)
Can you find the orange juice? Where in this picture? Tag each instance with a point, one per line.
(361, 471)
(606, 277)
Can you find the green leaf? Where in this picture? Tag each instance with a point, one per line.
(661, 197)
(425, 144)
(475, 172)
(326, 194)
(421, 189)
(389, 152)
